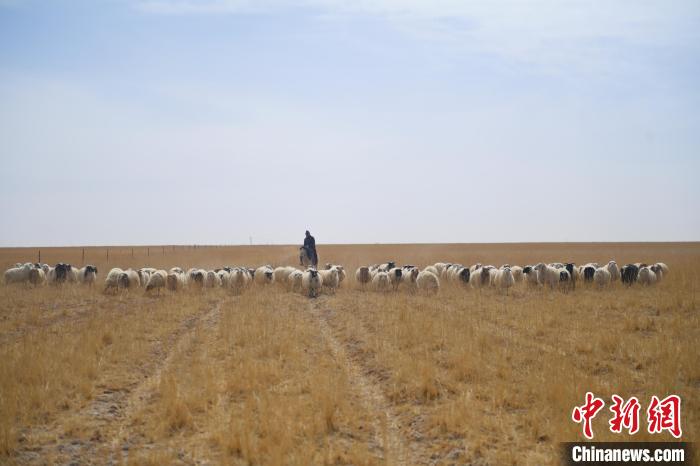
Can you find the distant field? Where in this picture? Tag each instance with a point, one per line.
(355, 377)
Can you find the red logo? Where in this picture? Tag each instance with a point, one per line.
(661, 415)
(626, 415)
(587, 412)
(665, 415)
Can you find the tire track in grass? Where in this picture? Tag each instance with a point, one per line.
(386, 423)
(140, 394)
(108, 414)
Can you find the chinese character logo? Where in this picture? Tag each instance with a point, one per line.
(662, 415)
(625, 415)
(665, 415)
(587, 412)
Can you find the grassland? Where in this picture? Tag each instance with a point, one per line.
(355, 377)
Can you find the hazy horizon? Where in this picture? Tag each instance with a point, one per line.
(390, 122)
(141, 246)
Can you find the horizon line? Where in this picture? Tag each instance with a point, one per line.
(203, 245)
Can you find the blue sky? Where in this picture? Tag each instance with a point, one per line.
(179, 122)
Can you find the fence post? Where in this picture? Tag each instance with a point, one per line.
(83, 261)
(107, 254)
(132, 253)
(148, 252)
(40, 256)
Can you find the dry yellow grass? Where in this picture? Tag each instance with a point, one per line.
(357, 377)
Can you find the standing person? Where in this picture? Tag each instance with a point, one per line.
(310, 246)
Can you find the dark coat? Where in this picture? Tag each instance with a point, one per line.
(310, 246)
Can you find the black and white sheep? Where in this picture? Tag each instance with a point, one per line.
(311, 282)
(264, 275)
(395, 275)
(87, 275)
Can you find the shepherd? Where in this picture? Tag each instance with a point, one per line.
(307, 253)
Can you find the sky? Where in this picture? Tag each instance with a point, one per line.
(217, 121)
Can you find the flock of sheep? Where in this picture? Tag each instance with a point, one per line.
(555, 275)
(311, 281)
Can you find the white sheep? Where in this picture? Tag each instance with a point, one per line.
(614, 271)
(439, 268)
(646, 276)
(37, 276)
(451, 271)
(481, 276)
(113, 278)
(239, 279)
(602, 276)
(212, 280)
(330, 278)
(281, 273)
(18, 274)
(144, 274)
(294, 280)
(428, 282)
(446, 270)
(517, 273)
(492, 275)
(503, 279)
(156, 280)
(87, 275)
(432, 269)
(547, 275)
(133, 279)
(381, 281)
(341, 271)
(311, 282)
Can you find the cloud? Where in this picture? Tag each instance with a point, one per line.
(589, 37)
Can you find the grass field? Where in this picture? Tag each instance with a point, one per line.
(356, 377)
